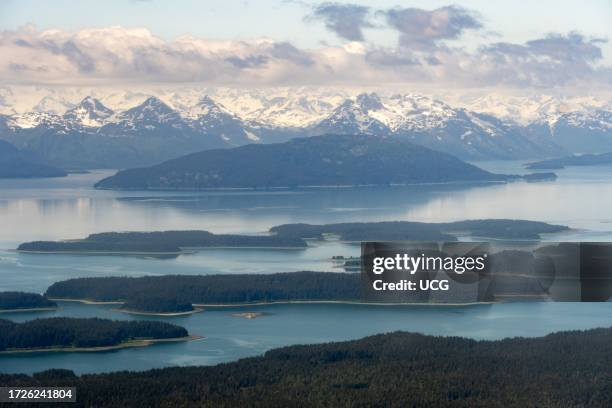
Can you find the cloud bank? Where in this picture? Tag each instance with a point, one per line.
(422, 55)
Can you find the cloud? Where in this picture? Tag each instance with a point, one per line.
(134, 55)
(549, 61)
(424, 29)
(346, 20)
(391, 57)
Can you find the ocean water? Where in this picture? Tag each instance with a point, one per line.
(70, 208)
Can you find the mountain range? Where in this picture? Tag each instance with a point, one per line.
(90, 134)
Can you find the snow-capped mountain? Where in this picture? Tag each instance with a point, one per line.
(31, 120)
(356, 116)
(434, 124)
(280, 108)
(89, 113)
(526, 110)
(122, 128)
(211, 118)
(584, 132)
(150, 114)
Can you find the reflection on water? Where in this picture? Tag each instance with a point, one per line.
(70, 208)
(36, 272)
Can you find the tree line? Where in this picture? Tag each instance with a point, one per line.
(73, 332)
(567, 369)
(151, 293)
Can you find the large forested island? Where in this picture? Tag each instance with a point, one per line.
(21, 301)
(156, 293)
(567, 369)
(294, 236)
(71, 334)
(421, 231)
(330, 160)
(169, 242)
(512, 275)
(575, 160)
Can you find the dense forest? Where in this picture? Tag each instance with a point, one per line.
(22, 300)
(162, 241)
(567, 369)
(293, 235)
(330, 160)
(71, 332)
(420, 231)
(210, 289)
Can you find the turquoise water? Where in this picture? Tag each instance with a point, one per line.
(229, 338)
(69, 208)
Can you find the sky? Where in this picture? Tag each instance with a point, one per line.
(540, 44)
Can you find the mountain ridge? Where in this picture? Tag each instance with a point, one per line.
(155, 130)
(316, 161)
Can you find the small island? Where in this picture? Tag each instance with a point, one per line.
(249, 315)
(157, 306)
(62, 334)
(25, 302)
(604, 159)
(349, 264)
(292, 236)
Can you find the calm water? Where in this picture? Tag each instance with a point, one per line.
(229, 338)
(70, 208)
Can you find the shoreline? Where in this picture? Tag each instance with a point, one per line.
(31, 309)
(86, 252)
(280, 302)
(88, 301)
(339, 302)
(124, 345)
(203, 306)
(314, 187)
(187, 251)
(161, 314)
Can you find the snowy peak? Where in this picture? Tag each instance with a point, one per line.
(369, 102)
(596, 120)
(150, 113)
(212, 118)
(31, 120)
(206, 107)
(538, 109)
(90, 113)
(355, 116)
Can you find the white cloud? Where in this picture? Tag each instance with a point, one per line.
(134, 55)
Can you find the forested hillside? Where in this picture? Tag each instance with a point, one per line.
(211, 289)
(569, 369)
